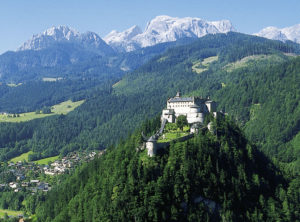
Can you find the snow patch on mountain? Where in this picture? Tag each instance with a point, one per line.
(122, 40)
(289, 33)
(165, 29)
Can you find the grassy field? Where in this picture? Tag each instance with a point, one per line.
(46, 160)
(244, 62)
(162, 59)
(10, 213)
(22, 157)
(200, 67)
(116, 84)
(62, 108)
(209, 60)
(171, 136)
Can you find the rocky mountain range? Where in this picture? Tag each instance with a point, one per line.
(63, 46)
(165, 29)
(159, 30)
(63, 34)
(291, 33)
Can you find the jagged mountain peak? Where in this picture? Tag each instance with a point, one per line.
(224, 25)
(65, 34)
(164, 28)
(62, 31)
(49, 36)
(127, 34)
(272, 32)
(121, 41)
(288, 33)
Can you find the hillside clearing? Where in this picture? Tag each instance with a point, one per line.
(10, 213)
(200, 67)
(171, 132)
(244, 62)
(62, 108)
(22, 157)
(46, 160)
(116, 84)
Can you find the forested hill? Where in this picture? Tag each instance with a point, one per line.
(74, 61)
(227, 67)
(255, 80)
(211, 177)
(30, 80)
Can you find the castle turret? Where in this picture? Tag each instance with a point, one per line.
(211, 105)
(169, 115)
(178, 94)
(195, 115)
(151, 146)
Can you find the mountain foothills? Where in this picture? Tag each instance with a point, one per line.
(247, 169)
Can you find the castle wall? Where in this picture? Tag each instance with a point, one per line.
(175, 105)
(181, 139)
(193, 108)
(168, 115)
(181, 110)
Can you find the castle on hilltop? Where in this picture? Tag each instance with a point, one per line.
(194, 108)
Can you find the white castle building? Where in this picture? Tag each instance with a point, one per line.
(194, 108)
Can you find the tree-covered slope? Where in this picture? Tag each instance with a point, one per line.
(74, 61)
(109, 114)
(267, 101)
(30, 79)
(212, 177)
(261, 91)
(253, 79)
(22, 66)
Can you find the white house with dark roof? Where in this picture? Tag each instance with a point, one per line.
(194, 108)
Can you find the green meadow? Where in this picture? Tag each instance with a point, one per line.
(22, 157)
(62, 108)
(46, 160)
(10, 213)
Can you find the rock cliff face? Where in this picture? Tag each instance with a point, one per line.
(64, 34)
(165, 29)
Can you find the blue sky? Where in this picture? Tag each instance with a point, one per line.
(20, 19)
